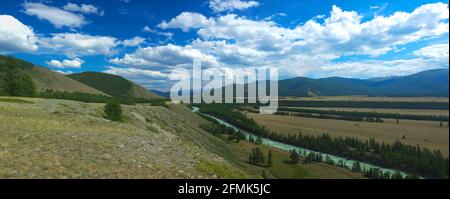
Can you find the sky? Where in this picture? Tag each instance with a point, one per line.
(145, 40)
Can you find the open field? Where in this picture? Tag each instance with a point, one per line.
(383, 110)
(424, 133)
(47, 138)
(366, 98)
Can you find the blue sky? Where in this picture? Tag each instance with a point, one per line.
(145, 40)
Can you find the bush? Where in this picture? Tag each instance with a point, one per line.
(113, 111)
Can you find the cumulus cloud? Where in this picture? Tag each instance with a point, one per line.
(231, 5)
(66, 63)
(186, 21)
(83, 8)
(435, 52)
(341, 33)
(58, 17)
(148, 78)
(77, 44)
(164, 56)
(136, 73)
(135, 41)
(15, 36)
(151, 30)
(378, 68)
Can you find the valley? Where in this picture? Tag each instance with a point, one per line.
(55, 126)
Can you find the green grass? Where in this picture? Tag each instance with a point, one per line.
(282, 168)
(221, 171)
(14, 100)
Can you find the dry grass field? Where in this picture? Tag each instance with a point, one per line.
(427, 134)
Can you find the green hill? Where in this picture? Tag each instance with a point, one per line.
(113, 85)
(41, 77)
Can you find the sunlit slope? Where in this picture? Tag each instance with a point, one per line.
(47, 138)
(113, 85)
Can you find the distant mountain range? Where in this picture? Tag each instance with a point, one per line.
(426, 83)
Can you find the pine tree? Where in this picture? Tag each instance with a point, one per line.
(356, 166)
(256, 157)
(295, 158)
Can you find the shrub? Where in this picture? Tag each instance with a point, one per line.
(113, 111)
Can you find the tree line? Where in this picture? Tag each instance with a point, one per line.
(365, 104)
(360, 114)
(374, 173)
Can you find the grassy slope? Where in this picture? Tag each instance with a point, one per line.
(46, 138)
(47, 79)
(113, 85)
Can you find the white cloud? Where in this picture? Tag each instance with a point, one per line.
(135, 41)
(136, 73)
(341, 33)
(64, 72)
(15, 36)
(83, 8)
(231, 5)
(76, 44)
(305, 49)
(435, 52)
(164, 56)
(186, 21)
(54, 15)
(378, 68)
(150, 30)
(66, 63)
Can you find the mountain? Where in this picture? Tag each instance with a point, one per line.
(44, 78)
(332, 86)
(113, 85)
(161, 93)
(426, 83)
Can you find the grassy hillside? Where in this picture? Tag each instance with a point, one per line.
(46, 79)
(113, 85)
(37, 141)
